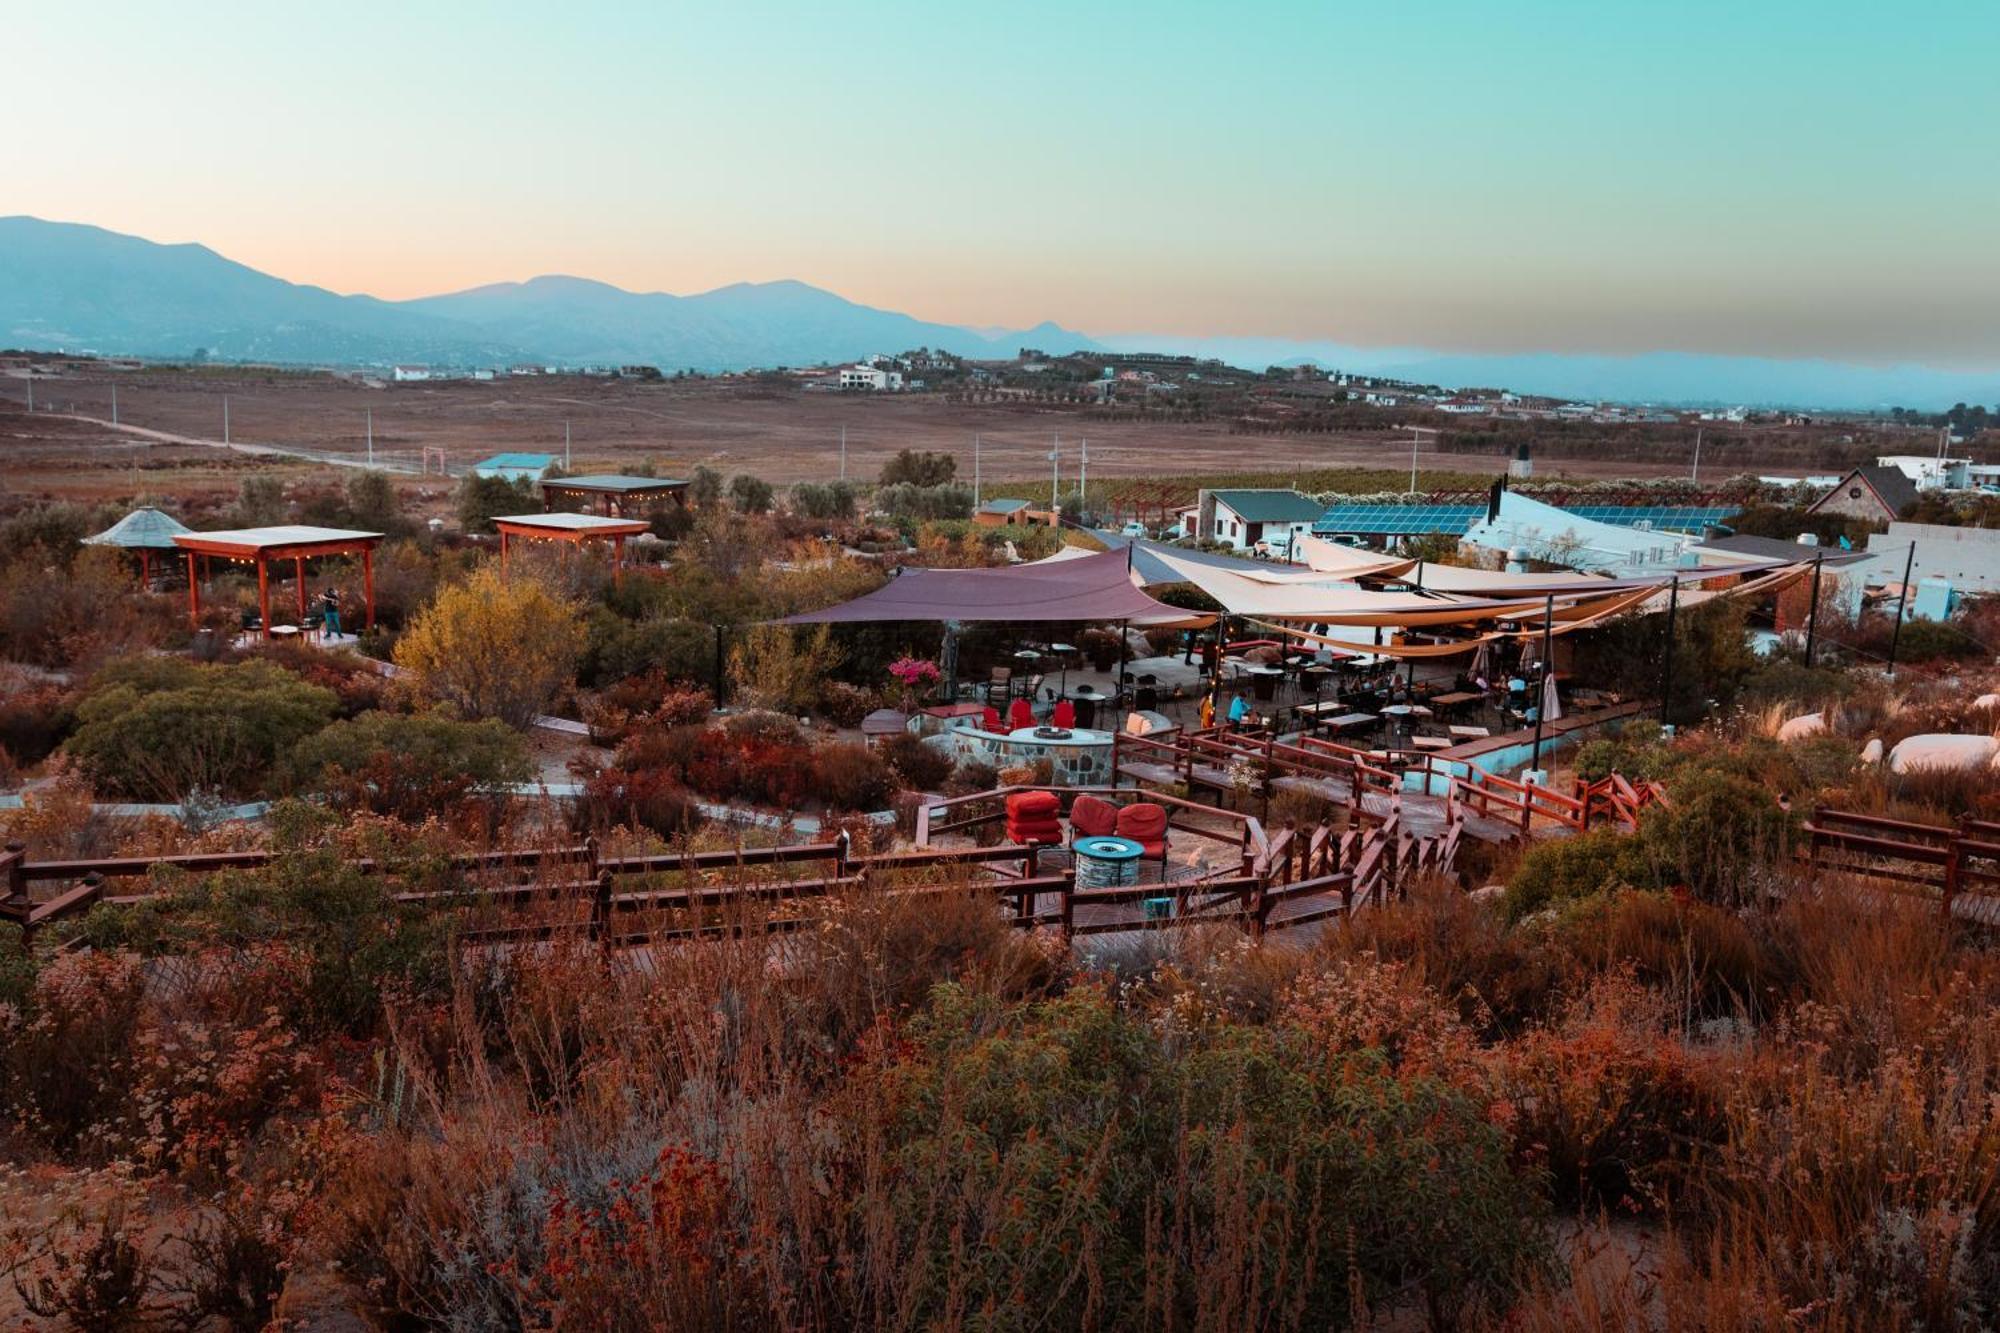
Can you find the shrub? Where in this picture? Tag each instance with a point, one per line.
(1554, 873)
(493, 647)
(615, 648)
(683, 706)
(829, 500)
(846, 705)
(79, 616)
(480, 499)
(34, 718)
(851, 777)
(409, 768)
(1720, 837)
(69, 1058)
(921, 765)
(637, 798)
(772, 667)
(160, 728)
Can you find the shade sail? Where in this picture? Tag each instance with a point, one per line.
(1098, 587)
(141, 530)
(1330, 601)
(1325, 557)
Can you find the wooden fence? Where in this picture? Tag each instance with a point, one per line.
(1959, 863)
(1612, 799)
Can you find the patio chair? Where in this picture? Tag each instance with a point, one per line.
(1092, 817)
(1146, 824)
(989, 718)
(1002, 680)
(1020, 714)
(1063, 715)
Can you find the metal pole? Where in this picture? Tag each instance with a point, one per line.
(718, 667)
(1055, 472)
(1694, 477)
(1667, 658)
(225, 418)
(1083, 482)
(31, 388)
(1812, 615)
(1896, 635)
(114, 404)
(1414, 437)
(1542, 684)
(843, 451)
(371, 435)
(566, 447)
(975, 471)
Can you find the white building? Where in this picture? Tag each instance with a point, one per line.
(410, 374)
(1930, 472)
(1242, 519)
(872, 378)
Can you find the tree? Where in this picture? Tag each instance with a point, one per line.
(750, 495)
(704, 486)
(494, 647)
(260, 502)
(372, 502)
(773, 668)
(159, 728)
(480, 499)
(831, 500)
(919, 467)
(904, 500)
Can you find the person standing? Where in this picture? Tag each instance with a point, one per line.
(329, 605)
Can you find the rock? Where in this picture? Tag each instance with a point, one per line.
(1487, 893)
(1798, 728)
(1871, 753)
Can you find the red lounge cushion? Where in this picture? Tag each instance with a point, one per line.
(1092, 817)
(1064, 715)
(1146, 824)
(1020, 715)
(989, 720)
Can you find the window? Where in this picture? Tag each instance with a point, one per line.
(1854, 492)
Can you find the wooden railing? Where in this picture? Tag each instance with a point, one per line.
(717, 893)
(1960, 862)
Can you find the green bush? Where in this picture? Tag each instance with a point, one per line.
(158, 728)
(1554, 873)
(408, 767)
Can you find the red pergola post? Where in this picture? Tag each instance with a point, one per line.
(368, 584)
(194, 591)
(264, 597)
(299, 568)
(503, 553)
(617, 558)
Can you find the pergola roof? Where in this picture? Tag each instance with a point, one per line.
(141, 530)
(284, 539)
(613, 484)
(576, 524)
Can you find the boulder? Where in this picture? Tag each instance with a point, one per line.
(1806, 724)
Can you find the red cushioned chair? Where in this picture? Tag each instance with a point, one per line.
(1064, 715)
(1146, 824)
(989, 718)
(1020, 714)
(1034, 817)
(1092, 817)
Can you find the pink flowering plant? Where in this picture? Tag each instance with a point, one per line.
(915, 671)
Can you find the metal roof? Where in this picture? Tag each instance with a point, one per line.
(573, 522)
(142, 529)
(612, 482)
(288, 534)
(1270, 506)
(515, 463)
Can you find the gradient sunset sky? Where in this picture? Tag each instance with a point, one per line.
(1782, 179)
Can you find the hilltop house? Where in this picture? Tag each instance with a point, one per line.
(872, 378)
(1871, 494)
(410, 374)
(1242, 519)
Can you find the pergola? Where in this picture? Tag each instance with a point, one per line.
(606, 493)
(145, 531)
(297, 543)
(573, 528)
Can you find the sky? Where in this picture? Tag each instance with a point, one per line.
(1772, 179)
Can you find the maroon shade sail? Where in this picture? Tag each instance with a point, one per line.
(1089, 588)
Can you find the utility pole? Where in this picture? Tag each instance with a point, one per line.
(225, 418)
(566, 468)
(31, 388)
(371, 436)
(1812, 614)
(1082, 480)
(975, 470)
(114, 404)
(843, 451)
(1695, 476)
(1055, 472)
(1415, 435)
(1902, 603)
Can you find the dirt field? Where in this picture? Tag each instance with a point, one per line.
(171, 429)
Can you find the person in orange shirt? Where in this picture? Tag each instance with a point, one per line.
(1207, 713)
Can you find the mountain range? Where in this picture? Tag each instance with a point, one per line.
(69, 285)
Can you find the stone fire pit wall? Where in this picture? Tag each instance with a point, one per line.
(1081, 759)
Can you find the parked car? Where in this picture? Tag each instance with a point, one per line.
(1134, 529)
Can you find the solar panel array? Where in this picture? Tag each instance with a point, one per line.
(1416, 519)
